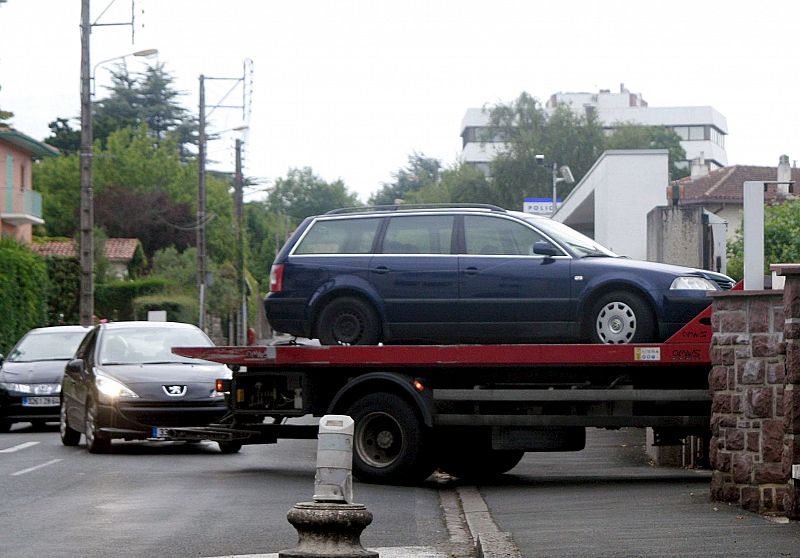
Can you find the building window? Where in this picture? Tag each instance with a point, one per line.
(717, 137)
(697, 133)
(682, 131)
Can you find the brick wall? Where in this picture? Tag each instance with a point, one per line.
(755, 384)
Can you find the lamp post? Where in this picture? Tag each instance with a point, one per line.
(146, 53)
(566, 176)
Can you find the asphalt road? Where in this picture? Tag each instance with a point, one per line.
(609, 501)
(179, 500)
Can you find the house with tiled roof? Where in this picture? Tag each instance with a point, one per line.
(20, 205)
(120, 253)
(721, 191)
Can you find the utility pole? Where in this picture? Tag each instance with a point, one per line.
(238, 188)
(87, 191)
(201, 208)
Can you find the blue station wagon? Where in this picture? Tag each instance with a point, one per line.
(471, 275)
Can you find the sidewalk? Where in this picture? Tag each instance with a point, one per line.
(609, 501)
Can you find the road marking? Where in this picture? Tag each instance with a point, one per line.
(12, 449)
(18, 473)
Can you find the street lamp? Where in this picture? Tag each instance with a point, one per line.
(566, 176)
(146, 53)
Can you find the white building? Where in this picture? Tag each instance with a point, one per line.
(702, 129)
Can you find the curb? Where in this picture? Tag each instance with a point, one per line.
(490, 541)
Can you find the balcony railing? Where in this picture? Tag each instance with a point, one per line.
(19, 208)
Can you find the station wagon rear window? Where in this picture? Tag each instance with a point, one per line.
(339, 236)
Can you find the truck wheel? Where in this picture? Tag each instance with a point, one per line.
(620, 317)
(482, 464)
(348, 321)
(390, 444)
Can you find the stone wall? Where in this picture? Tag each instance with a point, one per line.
(755, 383)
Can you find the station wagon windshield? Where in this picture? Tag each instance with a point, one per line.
(578, 243)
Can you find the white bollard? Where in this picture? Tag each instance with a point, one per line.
(334, 478)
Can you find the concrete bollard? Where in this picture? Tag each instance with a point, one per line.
(334, 479)
(331, 525)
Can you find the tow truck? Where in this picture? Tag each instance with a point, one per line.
(469, 410)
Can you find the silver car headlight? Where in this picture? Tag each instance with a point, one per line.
(112, 388)
(690, 283)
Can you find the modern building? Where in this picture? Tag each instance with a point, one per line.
(20, 206)
(702, 129)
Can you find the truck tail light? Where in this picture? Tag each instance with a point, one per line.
(276, 278)
(223, 385)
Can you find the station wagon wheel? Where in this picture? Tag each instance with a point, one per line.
(69, 436)
(620, 317)
(348, 321)
(95, 441)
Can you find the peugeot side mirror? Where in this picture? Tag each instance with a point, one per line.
(75, 367)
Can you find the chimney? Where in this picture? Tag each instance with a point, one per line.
(784, 175)
(699, 167)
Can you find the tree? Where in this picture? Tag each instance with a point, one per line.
(781, 238)
(421, 171)
(64, 137)
(525, 129)
(301, 194)
(628, 135)
(5, 115)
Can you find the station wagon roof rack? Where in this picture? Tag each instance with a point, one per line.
(412, 206)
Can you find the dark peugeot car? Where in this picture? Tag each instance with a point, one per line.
(125, 382)
(30, 376)
(472, 275)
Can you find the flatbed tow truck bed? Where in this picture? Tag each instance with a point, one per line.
(468, 409)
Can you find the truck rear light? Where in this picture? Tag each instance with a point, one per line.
(222, 385)
(276, 278)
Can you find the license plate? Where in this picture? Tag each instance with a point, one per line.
(40, 402)
(159, 433)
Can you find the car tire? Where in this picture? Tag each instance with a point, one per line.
(621, 317)
(348, 321)
(96, 442)
(5, 426)
(390, 441)
(229, 447)
(69, 436)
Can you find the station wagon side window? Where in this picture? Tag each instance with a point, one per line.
(486, 236)
(340, 236)
(419, 234)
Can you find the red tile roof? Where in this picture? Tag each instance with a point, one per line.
(116, 249)
(725, 185)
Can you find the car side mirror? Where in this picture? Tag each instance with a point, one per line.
(75, 367)
(545, 249)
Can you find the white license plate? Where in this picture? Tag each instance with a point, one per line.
(40, 402)
(159, 433)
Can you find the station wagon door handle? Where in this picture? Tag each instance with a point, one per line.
(381, 269)
(471, 270)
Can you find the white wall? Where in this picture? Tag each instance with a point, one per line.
(618, 192)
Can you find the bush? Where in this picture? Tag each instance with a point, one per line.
(63, 294)
(115, 300)
(180, 308)
(23, 287)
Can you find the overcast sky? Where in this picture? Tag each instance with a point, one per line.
(352, 88)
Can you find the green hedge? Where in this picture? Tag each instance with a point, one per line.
(63, 294)
(23, 288)
(180, 308)
(114, 300)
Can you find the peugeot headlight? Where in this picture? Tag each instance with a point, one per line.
(112, 388)
(690, 283)
(18, 388)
